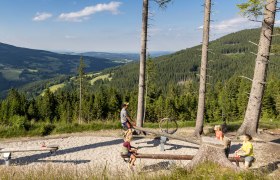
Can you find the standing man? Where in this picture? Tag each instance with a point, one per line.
(125, 118)
(126, 121)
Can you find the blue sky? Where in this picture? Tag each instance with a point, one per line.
(112, 26)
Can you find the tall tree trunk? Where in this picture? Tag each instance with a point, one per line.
(143, 55)
(81, 74)
(203, 69)
(80, 104)
(253, 111)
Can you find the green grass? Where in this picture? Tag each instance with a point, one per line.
(54, 88)
(44, 128)
(101, 77)
(32, 70)
(207, 171)
(11, 74)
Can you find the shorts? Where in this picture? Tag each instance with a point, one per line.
(129, 154)
(249, 159)
(125, 126)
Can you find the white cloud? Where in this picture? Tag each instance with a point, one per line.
(277, 22)
(90, 10)
(232, 25)
(42, 16)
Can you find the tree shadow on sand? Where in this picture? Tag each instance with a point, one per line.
(277, 141)
(38, 157)
(156, 142)
(268, 168)
(234, 148)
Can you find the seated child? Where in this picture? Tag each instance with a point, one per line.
(129, 150)
(220, 136)
(247, 150)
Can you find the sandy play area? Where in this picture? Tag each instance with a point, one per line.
(101, 151)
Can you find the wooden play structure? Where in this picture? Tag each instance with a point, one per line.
(210, 149)
(7, 152)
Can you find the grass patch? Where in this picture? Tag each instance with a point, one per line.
(54, 88)
(44, 128)
(270, 124)
(11, 74)
(208, 171)
(211, 171)
(102, 77)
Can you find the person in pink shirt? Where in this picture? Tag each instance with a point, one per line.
(130, 151)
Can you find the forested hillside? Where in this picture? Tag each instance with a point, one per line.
(229, 55)
(171, 89)
(19, 66)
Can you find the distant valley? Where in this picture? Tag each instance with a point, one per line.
(19, 66)
(120, 57)
(22, 66)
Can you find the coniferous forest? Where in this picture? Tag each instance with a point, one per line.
(172, 89)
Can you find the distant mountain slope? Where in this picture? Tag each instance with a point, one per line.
(231, 55)
(119, 57)
(22, 65)
(123, 57)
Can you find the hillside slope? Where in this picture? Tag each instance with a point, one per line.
(229, 55)
(19, 66)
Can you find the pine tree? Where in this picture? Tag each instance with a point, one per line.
(81, 73)
(253, 111)
(203, 70)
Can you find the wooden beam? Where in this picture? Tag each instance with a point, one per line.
(28, 149)
(174, 157)
(164, 156)
(171, 136)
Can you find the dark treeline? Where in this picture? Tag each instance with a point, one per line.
(225, 101)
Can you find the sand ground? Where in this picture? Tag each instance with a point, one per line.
(101, 150)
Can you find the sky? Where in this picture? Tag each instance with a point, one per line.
(113, 25)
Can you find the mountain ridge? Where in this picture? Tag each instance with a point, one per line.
(20, 65)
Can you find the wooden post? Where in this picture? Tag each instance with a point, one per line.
(211, 150)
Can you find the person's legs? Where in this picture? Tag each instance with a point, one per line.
(246, 165)
(133, 159)
(128, 133)
(248, 161)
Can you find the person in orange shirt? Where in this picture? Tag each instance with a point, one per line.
(219, 133)
(220, 136)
